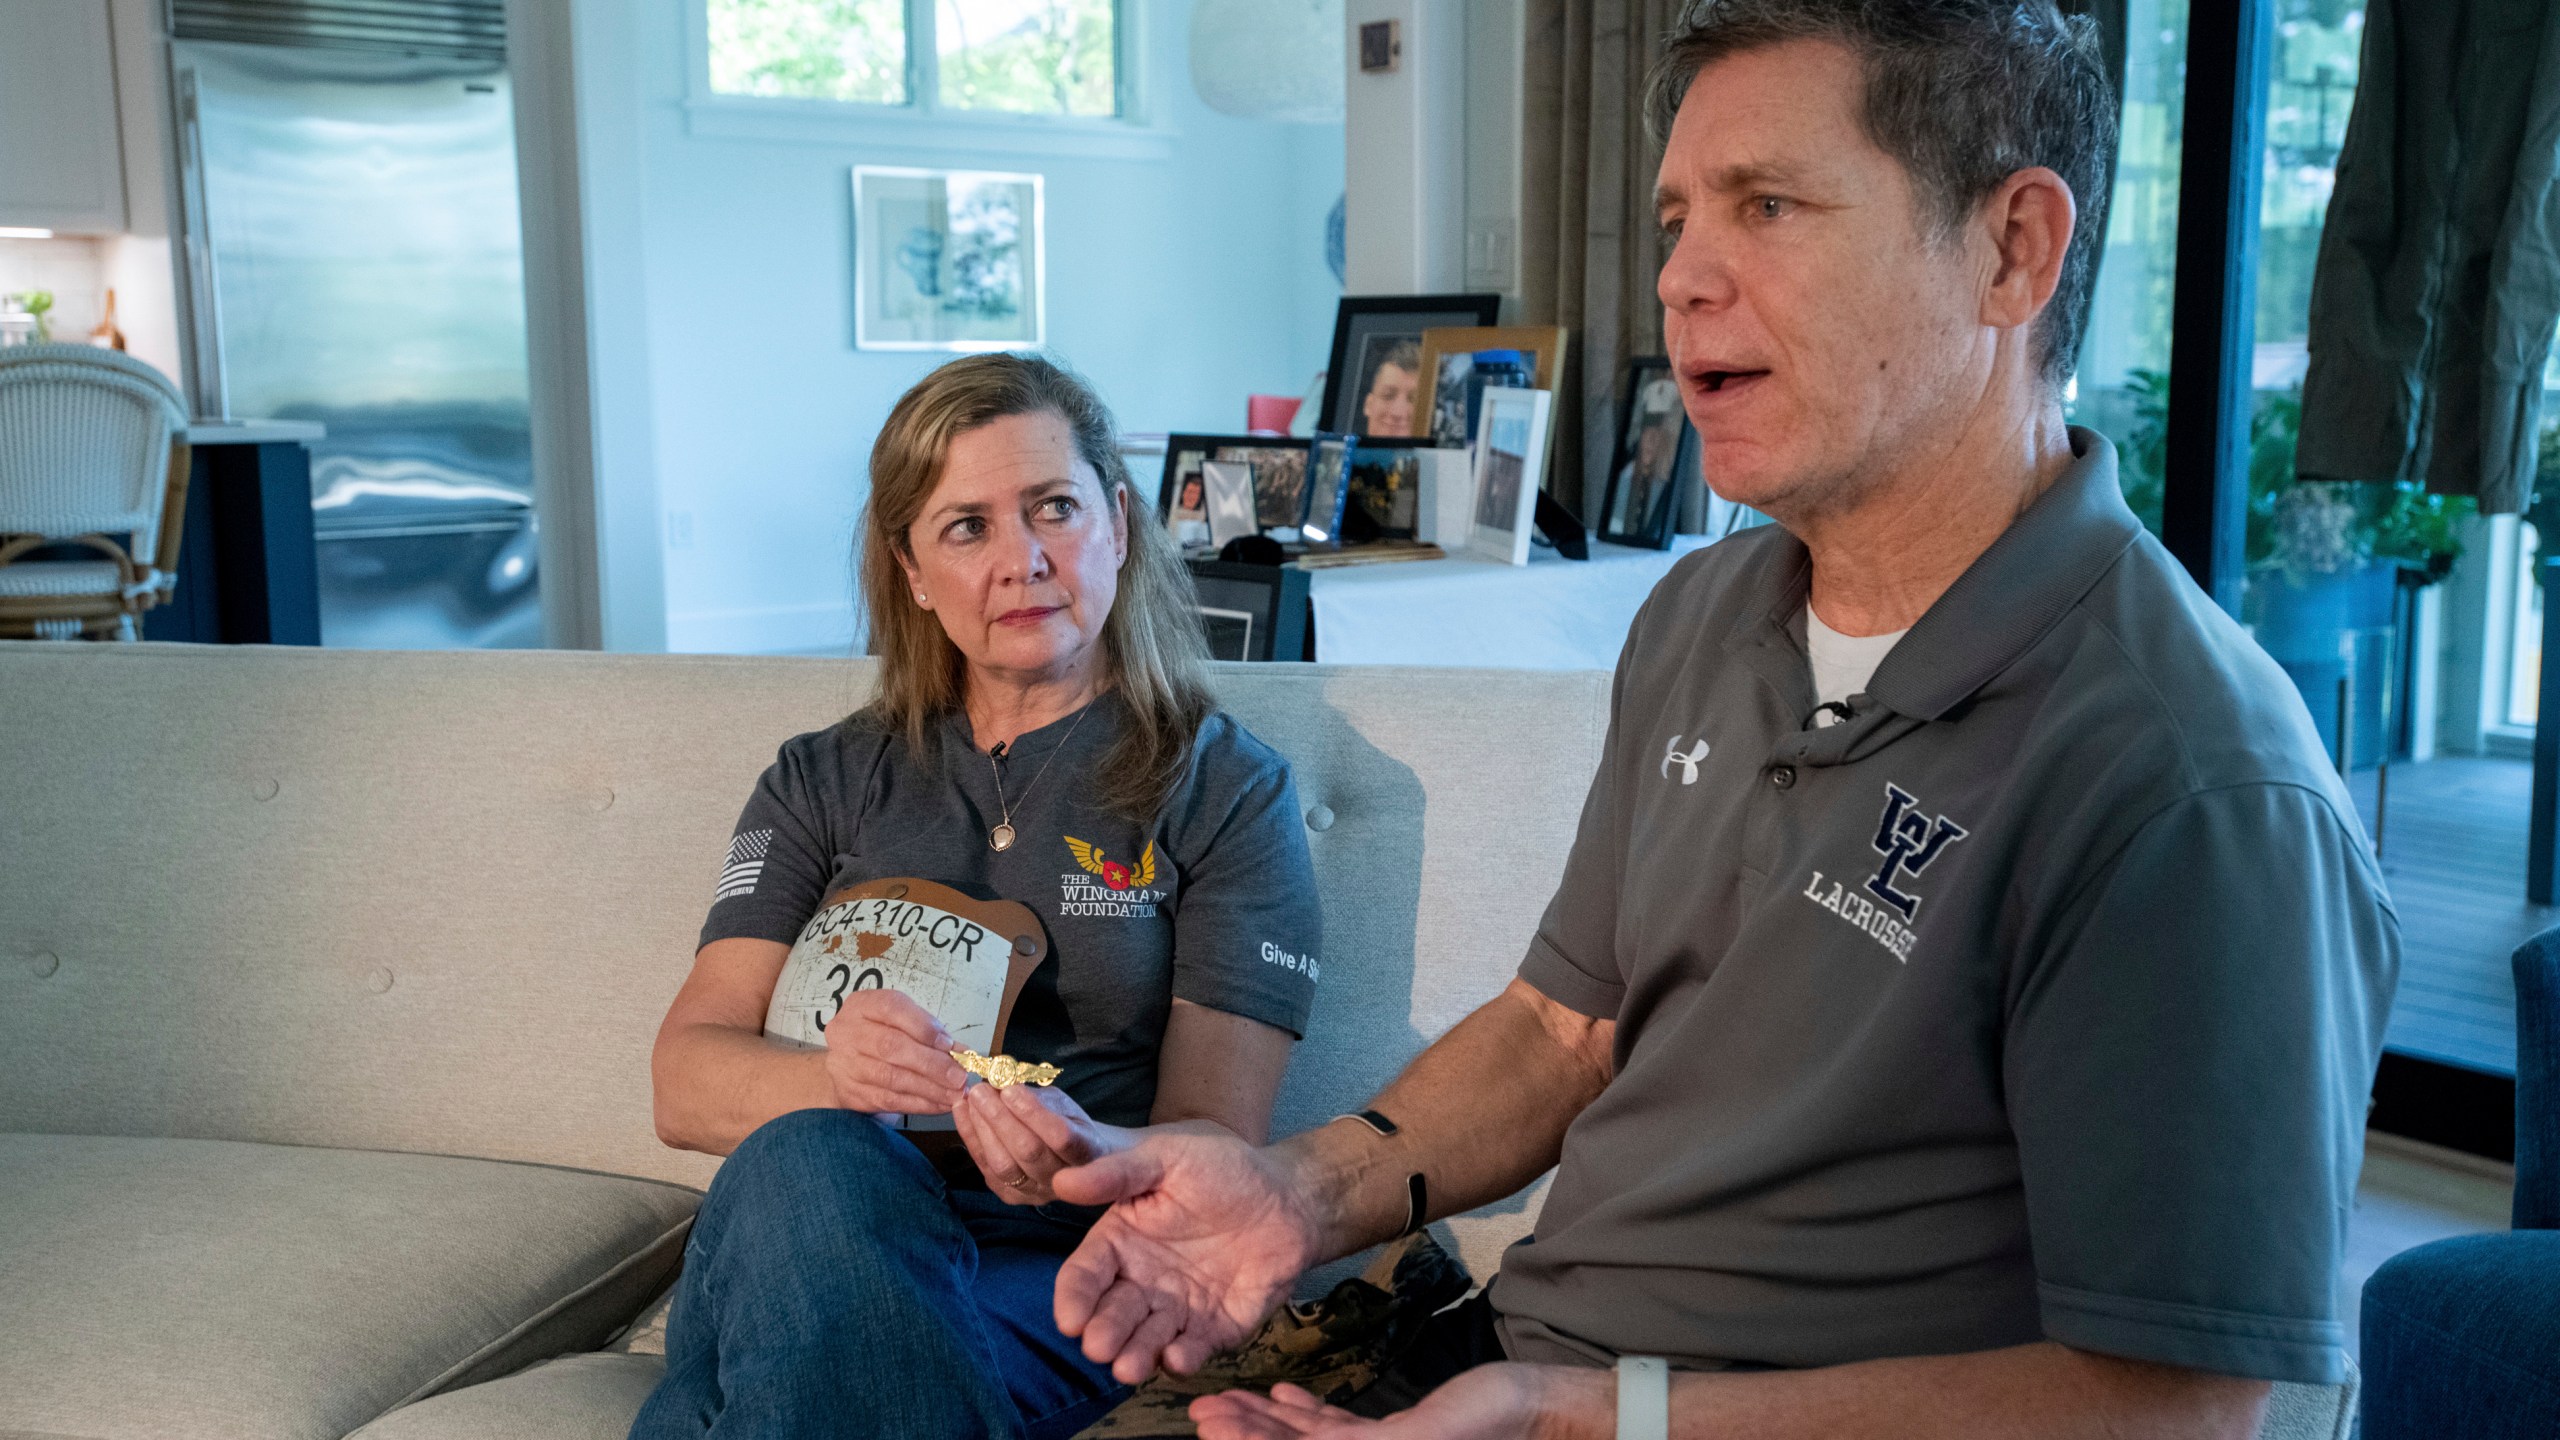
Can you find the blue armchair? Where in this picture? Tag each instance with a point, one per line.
(2462, 1337)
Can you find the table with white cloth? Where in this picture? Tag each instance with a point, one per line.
(1550, 614)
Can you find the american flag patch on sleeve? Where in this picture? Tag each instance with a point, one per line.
(746, 862)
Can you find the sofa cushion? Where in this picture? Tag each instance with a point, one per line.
(647, 1333)
(576, 1397)
(596, 1397)
(575, 808)
(217, 1288)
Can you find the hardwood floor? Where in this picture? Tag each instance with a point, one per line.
(2453, 852)
(2411, 1194)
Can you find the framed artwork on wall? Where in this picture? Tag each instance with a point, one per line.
(1657, 452)
(947, 260)
(1374, 384)
(1448, 359)
(1511, 455)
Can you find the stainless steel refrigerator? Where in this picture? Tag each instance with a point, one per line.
(354, 258)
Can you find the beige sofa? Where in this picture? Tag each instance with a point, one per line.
(327, 983)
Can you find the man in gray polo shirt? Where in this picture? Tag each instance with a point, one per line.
(1956, 1014)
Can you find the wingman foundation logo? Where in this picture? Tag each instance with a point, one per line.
(1111, 889)
(1910, 842)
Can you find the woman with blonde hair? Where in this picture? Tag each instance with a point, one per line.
(1043, 733)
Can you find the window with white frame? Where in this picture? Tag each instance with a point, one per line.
(2524, 634)
(1025, 57)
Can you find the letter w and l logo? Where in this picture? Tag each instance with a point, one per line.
(1908, 841)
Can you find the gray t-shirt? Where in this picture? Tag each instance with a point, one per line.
(1227, 918)
(2038, 1000)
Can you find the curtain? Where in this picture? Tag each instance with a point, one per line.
(1589, 248)
(2439, 273)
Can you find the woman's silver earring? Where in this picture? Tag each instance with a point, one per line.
(921, 602)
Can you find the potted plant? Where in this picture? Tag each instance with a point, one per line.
(2326, 558)
(2397, 524)
(23, 318)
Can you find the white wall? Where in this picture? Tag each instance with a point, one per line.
(1434, 150)
(1408, 162)
(1496, 109)
(141, 264)
(1184, 273)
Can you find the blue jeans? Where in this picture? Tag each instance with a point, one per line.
(834, 1286)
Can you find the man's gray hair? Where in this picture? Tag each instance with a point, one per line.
(1964, 93)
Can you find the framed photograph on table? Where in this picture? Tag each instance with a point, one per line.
(1657, 453)
(1511, 456)
(1279, 489)
(1328, 481)
(1448, 360)
(1186, 509)
(1279, 473)
(1374, 384)
(1384, 491)
(1252, 612)
(1227, 488)
(947, 260)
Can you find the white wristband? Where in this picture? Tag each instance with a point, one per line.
(1644, 1398)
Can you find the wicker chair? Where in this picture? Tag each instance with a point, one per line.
(92, 447)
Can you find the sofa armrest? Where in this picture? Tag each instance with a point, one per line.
(2537, 965)
(2458, 1338)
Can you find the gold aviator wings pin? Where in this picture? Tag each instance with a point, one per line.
(1003, 1071)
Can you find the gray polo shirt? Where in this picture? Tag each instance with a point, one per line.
(1213, 901)
(2039, 1000)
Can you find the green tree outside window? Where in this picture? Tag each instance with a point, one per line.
(1033, 57)
(1030, 57)
(853, 50)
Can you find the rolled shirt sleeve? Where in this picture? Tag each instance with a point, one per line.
(2186, 1066)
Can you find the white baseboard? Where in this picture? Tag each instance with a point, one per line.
(767, 630)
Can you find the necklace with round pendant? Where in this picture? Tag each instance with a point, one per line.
(1001, 838)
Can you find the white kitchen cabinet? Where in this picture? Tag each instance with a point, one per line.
(61, 164)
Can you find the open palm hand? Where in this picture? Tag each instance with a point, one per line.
(1490, 1402)
(1202, 1241)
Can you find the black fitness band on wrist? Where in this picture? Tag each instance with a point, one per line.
(1417, 1194)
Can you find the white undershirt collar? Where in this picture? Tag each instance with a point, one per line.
(1842, 664)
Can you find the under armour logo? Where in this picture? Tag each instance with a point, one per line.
(1908, 841)
(1688, 763)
